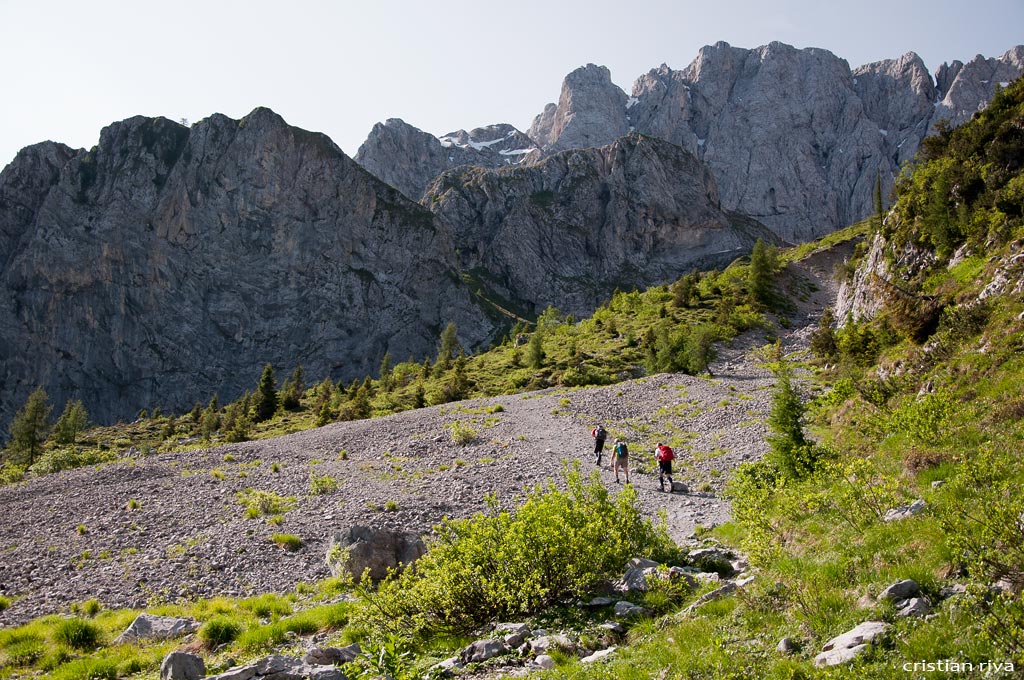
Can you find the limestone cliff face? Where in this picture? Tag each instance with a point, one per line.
(793, 137)
(409, 159)
(899, 96)
(568, 230)
(967, 88)
(590, 112)
(168, 263)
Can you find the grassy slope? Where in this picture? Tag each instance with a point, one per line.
(900, 408)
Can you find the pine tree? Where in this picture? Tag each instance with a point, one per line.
(823, 340)
(759, 276)
(293, 389)
(447, 349)
(29, 429)
(535, 351)
(385, 372)
(791, 451)
(72, 421)
(266, 396)
(879, 208)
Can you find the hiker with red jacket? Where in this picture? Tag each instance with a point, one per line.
(599, 434)
(665, 456)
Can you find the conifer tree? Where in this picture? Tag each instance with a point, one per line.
(879, 208)
(447, 349)
(72, 421)
(293, 389)
(266, 396)
(759, 276)
(29, 429)
(385, 372)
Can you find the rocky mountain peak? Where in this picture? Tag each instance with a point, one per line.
(408, 158)
(590, 112)
(967, 88)
(635, 212)
(170, 263)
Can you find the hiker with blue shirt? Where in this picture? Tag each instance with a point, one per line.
(621, 460)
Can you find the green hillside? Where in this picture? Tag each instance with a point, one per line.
(921, 402)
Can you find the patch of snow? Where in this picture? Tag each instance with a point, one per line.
(483, 145)
(515, 152)
(1003, 84)
(700, 142)
(632, 102)
(884, 133)
(854, 81)
(446, 142)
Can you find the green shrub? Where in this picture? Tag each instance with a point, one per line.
(462, 433)
(5, 602)
(500, 564)
(77, 634)
(264, 503)
(25, 652)
(321, 484)
(267, 606)
(218, 631)
(289, 542)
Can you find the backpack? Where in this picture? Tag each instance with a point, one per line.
(620, 450)
(599, 433)
(666, 454)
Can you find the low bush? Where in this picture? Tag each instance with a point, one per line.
(218, 631)
(78, 634)
(500, 564)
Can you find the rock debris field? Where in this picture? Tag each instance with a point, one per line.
(76, 535)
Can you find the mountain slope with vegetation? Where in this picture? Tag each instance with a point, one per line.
(889, 454)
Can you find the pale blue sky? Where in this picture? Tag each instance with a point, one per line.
(71, 68)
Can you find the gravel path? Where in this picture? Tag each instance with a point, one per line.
(72, 536)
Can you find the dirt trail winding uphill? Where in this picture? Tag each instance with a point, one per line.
(72, 536)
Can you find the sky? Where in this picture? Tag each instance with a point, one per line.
(73, 67)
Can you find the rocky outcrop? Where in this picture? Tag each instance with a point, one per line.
(899, 96)
(409, 159)
(967, 88)
(168, 263)
(851, 644)
(571, 229)
(794, 138)
(152, 627)
(590, 112)
(376, 550)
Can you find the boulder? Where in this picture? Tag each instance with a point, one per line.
(717, 560)
(279, 667)
(545, 662)
(680, 487)
(546, 643)
(635, 580)
(787, 646)
(914, 606)
(150, 627)
(905, 511)
(360, 547)
(513, 634)
(332, 656)
(599, 655)
(237, 673)
(628, 610)
(182, 666)
(613, 627)
(445, 668)
(849, 645)
(900, 591)
(482, 650)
